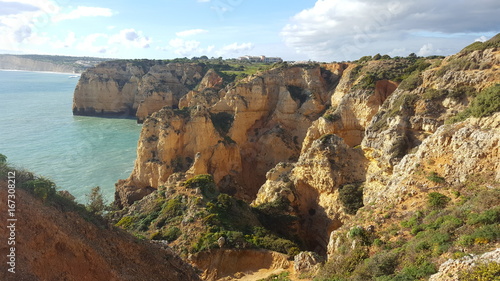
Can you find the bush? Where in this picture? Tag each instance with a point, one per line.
(416, 272)
(126, 222)
(95, 201)
(487, 217)
(484, 271)
(222, 122)
(172, 208)
(383, 263)
(205, 183)
(436, 200)
(411, 82)
(172, 233)
(483, 235)
(41, 187)
(340, 267)
(351, 197)
(434, 177)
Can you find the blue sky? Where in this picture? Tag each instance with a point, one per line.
(323, 30)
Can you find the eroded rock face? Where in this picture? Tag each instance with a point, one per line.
(136, 88)
(455, 152)
(312, 187)
(412, 113)
(256, 124)
(226, 263)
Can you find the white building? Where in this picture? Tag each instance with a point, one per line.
(260, 59)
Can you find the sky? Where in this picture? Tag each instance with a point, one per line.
(295, 30)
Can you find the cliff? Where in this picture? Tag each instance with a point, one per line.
(54, 242)
(387, 167)
(253, 125)
(63, 64)
(134, 88)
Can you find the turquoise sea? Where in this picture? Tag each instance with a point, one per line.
(38, 132)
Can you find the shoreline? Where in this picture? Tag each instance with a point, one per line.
(40, 71)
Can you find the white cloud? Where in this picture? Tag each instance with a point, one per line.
(481, 39)
(94, 43)
(82, 11)
(190, 32)
(426, 50)
(185, 48)
(131, 38)
(348, 29)
(235, 48)
(67, 43)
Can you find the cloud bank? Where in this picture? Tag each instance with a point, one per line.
(347, 29)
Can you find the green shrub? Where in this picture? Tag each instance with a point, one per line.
(483, 235)
(416, 272)
(341, 267)
(41, 187)
(434, 94)
(486, 103)
(3, 159)
(491, 216)
(434, 177)
(95, 201)
(205, 183)
(351, 197)
(411, 82)
(483, 271)
(172, 233)
(436, 200)
(126, 222)
(222, 122)
(172, 208)
(382, 263)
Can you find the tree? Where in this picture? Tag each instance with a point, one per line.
(95, 201)
(3, 158)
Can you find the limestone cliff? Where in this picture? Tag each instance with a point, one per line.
(133, 88)
(237, 135)
(363, 156)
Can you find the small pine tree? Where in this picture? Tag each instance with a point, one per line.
(95, 201)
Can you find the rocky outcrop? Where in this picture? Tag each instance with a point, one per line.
(133, 88)
(225, 263)
(312, 187)
(455, 152)
(257, 123)
(454, 269)
(61, 245)
(351, 110)
(420, 106)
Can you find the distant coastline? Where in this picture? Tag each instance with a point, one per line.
(53, 72)
(46, 63)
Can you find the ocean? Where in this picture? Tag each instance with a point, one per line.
(38, 132)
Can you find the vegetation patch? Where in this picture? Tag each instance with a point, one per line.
(484, 104)
(222, 122)
(351, 197)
